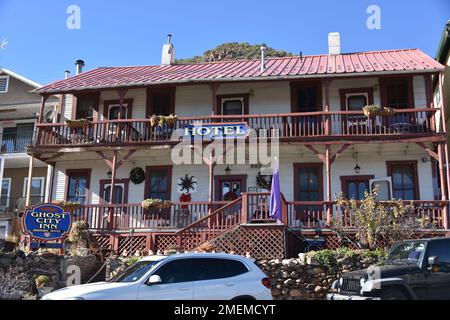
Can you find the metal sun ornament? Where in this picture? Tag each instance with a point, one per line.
(187, 183)
(3, 44)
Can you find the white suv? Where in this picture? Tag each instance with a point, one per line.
(187, 276)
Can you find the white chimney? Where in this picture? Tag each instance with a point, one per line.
(263, 58)
(168, 53)
(66, 74)
(334, 43)
(79, 66)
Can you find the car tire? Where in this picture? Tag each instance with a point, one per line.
(243, 298)
(393, 294)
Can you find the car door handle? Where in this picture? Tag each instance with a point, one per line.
(229, 284)
(184, 289)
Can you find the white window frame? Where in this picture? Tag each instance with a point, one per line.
(9, 191)
(7, 83)
(388, 179)
(125, 105)
(353, 94)
(241, 99)
(25, 183)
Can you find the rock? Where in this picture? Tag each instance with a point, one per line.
(294, 275)
(288, 282)
(295, 293)
(276, 292)
(314, 270)
(318, 289)
(285, 274)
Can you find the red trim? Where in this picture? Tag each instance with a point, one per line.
(87, 172)
(166, 91)
(306, 83)
(104, 182)
(412, 163)
(128, 102)
(242, 178)
(359, 178)
(343, 92)
(244, 96)
(298, 167)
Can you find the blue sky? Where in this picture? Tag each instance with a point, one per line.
(41, 47)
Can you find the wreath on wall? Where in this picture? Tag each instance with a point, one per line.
(263, 181)
(137, 175)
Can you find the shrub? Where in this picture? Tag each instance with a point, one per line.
(41, 281)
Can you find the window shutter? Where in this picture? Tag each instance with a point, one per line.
(4, 84)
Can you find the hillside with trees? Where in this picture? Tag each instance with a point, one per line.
(234, 51)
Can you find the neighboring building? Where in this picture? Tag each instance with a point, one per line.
(327, 144)
(18, 110)
(443, 56)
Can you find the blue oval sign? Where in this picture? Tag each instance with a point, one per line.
(47, 221)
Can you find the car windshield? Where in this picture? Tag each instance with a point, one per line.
(135, 271)
(407, 253)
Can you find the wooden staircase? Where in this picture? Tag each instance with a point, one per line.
(241, 226)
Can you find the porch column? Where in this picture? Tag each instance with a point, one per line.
(326, 84)
(328, 177)
(49, 182)
(111, 209)
(30, 178)
(2, 169)
(443, 185)
(41, 110)
(214, 87)
(122, 93)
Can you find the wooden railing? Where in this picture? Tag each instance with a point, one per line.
(133, 216)
(320, 214)
(285, 126)
(212, 225)
(213, 218)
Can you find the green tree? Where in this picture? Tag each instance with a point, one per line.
(234, 51)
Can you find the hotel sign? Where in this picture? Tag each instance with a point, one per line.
(47, 221)
(229, 130)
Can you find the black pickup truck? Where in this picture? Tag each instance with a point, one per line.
(414, 269)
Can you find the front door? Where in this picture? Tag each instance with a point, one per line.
(229, 188)
(354, 187)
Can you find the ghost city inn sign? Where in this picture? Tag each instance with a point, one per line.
(47, 221)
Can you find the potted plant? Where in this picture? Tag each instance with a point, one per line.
(154, 120)
(163, 120)
(78, 123)
(152, 203)
(68, 205)
(371, 110)
(387, 111)
(172, 119)
(41, 282)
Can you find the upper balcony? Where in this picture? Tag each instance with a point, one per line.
(15, 142)
(315, 127)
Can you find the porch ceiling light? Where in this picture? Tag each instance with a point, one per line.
(227, 170)
(109, 174)
(357, 168)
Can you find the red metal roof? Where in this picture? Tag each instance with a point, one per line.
(388, 61)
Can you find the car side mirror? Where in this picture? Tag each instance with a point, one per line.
(434, 263)
(154, 279)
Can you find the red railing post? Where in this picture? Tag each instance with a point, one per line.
(244, 210)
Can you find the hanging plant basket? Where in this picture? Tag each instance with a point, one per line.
(79, 123)
(156, 204)
(154, 120)
(172, 119)
(371, 110)
(387, 111)
(68, 205)
(137, 175)
(263, 182)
